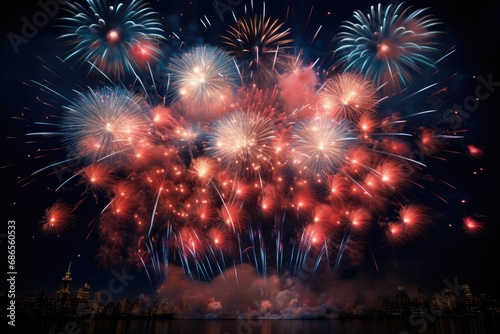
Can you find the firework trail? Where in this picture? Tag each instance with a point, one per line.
(252, 156)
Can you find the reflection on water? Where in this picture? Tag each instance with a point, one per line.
(440, 326)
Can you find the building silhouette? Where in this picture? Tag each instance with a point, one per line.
(83, 293)
(64, 300)
(399, 306)
(95, 308)
(66, 280)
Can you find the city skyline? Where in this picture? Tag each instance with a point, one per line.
(454, 300)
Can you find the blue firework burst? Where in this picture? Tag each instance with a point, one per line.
(118, 38)
(389, 45)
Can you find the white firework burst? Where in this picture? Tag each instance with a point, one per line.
(243, 142)
(319, 145)
(203, 79)
(347, 95)
(105, 125)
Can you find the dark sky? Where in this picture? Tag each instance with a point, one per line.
(445, 253)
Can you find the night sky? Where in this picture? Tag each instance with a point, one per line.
(445, 252)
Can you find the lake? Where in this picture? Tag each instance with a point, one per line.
(354, 326)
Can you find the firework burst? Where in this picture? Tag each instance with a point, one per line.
(389, 45)
(204, 80)
(105, 124)
(320, 145)
(243, 142)
(473, 226)
(117, 38)
(260, 45)
(58, 218)
(348, 96)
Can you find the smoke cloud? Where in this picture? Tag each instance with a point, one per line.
(297, 89)
(241, 292)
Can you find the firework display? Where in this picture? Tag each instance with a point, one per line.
(247, 152)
